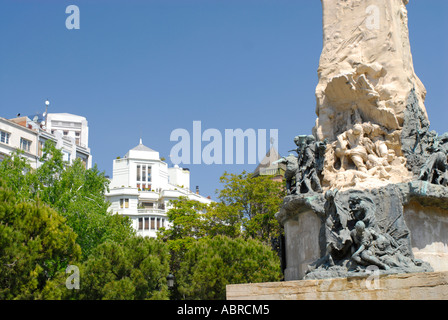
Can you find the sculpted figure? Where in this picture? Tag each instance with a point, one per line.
(376, 135)
(350, 144)
(302, 171)
(337, 234)
(365, 155)
(309, 180)
(362, 210)
(321, 148)
(292, 168)
(436, 167)
(364, 242)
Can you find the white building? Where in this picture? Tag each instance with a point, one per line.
(72, 134)
(69, 132)
(142, 187)
(14, 136)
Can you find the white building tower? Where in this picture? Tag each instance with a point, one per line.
(142, 186)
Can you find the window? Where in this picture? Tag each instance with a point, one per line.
(153, 220)
(158, 223)
(66, 156)
(143, 174)
(146, 223)
(78, 140)
(140, 223)
(25, 145)
(124, 203)
(4, 137)
(147, 205)
(65, 133)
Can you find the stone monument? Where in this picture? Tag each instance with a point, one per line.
(368, 188)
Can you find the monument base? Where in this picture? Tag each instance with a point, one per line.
(417, 211)
(410, 286)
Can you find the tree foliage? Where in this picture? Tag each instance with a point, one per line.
(36, 246)
(133, 270)
(51, 217)
(75, 192)
(253, 202)
(57, 215)
(246, 207)
(212, 263)
(227, 241)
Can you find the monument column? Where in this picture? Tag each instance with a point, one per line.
(372, 163)
(366, 69)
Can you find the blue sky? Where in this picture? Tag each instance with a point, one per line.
(145, 68)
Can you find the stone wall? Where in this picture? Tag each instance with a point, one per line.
(303, 247)
(414, 286)
(429, 234)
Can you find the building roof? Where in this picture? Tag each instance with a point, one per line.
(142, 147)
(66, 115)
(266, 164)
(143, 152)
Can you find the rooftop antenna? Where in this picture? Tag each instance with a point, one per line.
(47, 103)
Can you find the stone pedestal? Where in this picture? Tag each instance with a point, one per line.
(414, 286)
(417, 209)
(303, 228)
(429, 233)
(304, 249)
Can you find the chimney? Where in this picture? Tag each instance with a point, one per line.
(197, 189)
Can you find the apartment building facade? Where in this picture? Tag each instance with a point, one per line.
(29, 134)
(143, 186)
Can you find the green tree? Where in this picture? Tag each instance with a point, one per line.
(246, 209)
(133, 270)
(252, 201)
(81, 199)
(36, 246)
(186, 218)
(77, 193)
(15, 173)
(221, 219)
(212, 263)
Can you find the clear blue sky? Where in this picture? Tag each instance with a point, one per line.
(144, 68)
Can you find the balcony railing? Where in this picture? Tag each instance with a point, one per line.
(146, 211)
(133, 212)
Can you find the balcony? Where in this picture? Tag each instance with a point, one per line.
(138, 212)
(151, 211)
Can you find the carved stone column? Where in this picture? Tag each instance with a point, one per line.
(365, 65)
